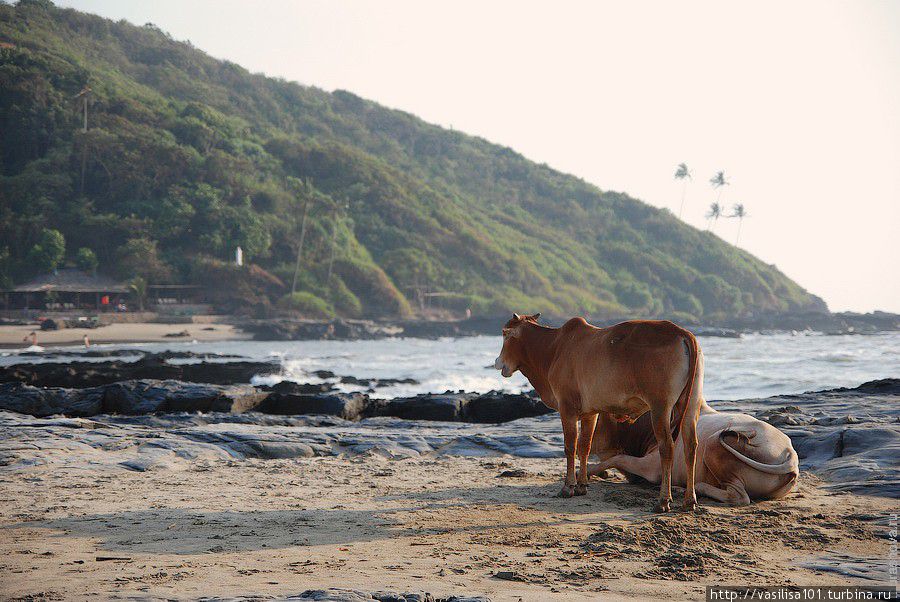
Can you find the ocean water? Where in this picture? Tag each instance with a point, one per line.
(756, 365)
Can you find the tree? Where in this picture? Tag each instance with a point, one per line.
(304, 188)
(86, 260)
(48, 253)
(717, 182)
(6, 280)
(138, 288)
(714, 213)
(140, 257)
(683, 174)
(412, 270)
(738, 212)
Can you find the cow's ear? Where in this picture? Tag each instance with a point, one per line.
(536, 316)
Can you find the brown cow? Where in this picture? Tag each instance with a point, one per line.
(623, 370)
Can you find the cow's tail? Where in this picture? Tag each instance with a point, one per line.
(684, 400)
(789, 466)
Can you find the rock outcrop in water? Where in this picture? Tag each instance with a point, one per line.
(131, 397)
(154, 366)
(150, 396)
(490, 407)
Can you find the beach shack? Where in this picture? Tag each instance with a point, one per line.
(66, 289)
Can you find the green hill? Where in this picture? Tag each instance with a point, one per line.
(187, 157)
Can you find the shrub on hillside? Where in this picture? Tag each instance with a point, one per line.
(237, 289)
(306, 304)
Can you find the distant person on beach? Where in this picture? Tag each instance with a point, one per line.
(33, 336)
(87, 342)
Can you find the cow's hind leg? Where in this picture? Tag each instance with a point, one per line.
(585, 434)
(570, 436)
(689, 439)
(662, 429)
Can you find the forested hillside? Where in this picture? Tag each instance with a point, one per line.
(186, 157)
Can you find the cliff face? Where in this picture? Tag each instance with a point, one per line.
(187, 157)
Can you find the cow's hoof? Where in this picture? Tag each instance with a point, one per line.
(581, 489)
(661, 506)
(566, 491)
(602, 474)
(689, 506)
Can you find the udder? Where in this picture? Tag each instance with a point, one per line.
(627, 410)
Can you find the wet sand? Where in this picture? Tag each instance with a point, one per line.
(141, 332)
(447, 525)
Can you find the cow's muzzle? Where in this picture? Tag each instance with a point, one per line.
(505, 370)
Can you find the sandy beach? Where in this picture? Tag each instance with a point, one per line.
(11, 337)
(449, 526)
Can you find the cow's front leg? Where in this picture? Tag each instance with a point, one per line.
(570, 436)
(585, 434)
(662, 430)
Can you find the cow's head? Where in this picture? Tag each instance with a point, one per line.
(512, 353)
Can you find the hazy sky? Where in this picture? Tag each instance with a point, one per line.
(799, 102)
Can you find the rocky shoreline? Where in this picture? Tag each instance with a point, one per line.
(81, 374)
(155, 396)
(850, 437)
(286, 329)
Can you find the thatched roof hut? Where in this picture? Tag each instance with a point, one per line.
(70, 280)
(67, 288)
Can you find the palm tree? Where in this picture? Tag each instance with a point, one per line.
(683, 174)
(717, 182)
(739, 212)
(305, 188)
(715, 212)
(138, 288)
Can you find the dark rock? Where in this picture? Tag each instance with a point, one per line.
(495, 407)
(287, 387)
(376, 382)
(349, 407)
(508, 576)
(171, 355)
(177, 335)
(299, 330)
(515, 473)
(388, 382)
(429, 329)
(26, 399)
(154, 396)
(49, 324)
(153, 366)
(226, 372)
(446, 407)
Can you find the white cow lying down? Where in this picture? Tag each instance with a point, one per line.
(739, 458)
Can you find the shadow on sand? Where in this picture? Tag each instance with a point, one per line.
(191, 531)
